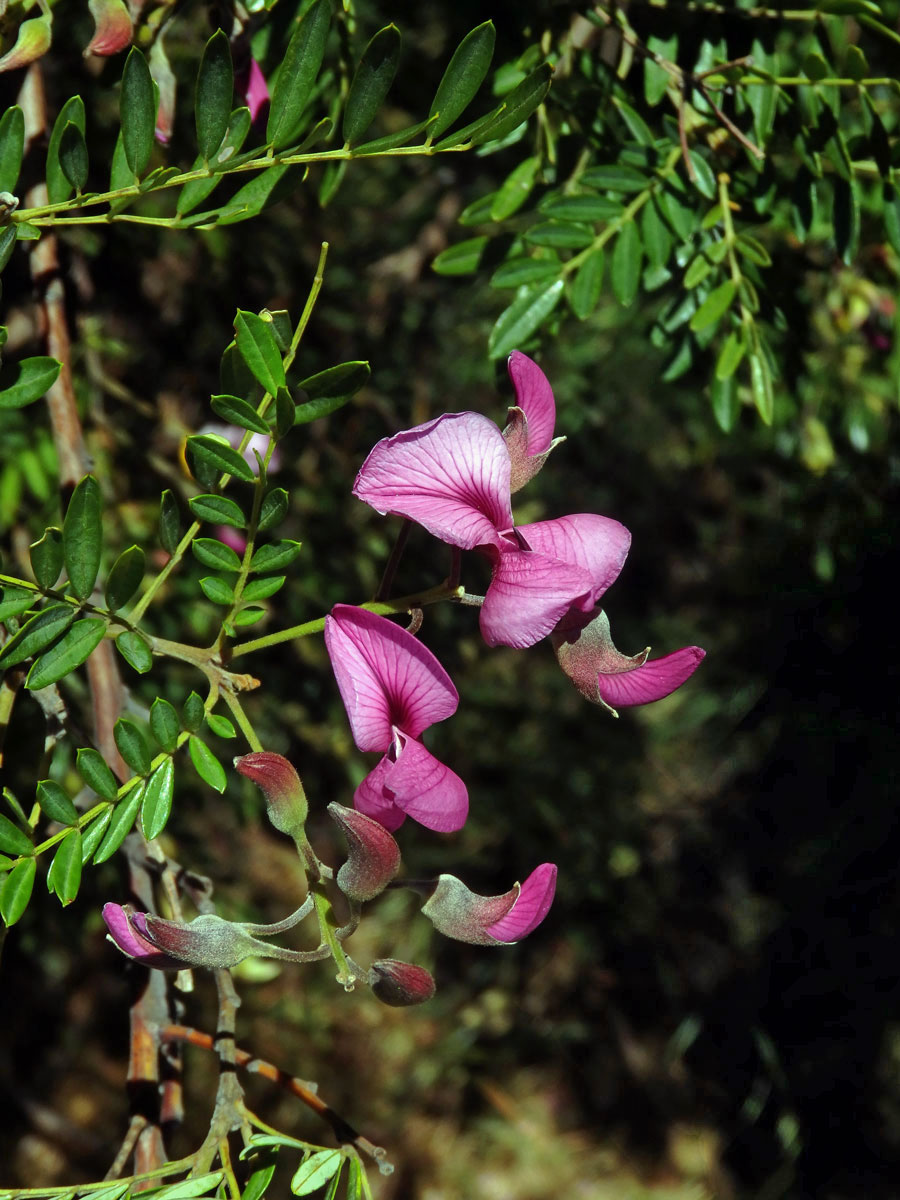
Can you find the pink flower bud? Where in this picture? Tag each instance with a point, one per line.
(400, 984)
(207, 941)
(113, 28)
(32, 41)
(374, 856)
(462, 914)
(280, 784)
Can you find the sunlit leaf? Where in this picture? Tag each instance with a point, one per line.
(517, 107)
(240, 412)
(135, 650)
(35, 377)
(217, 590)
(157, 802)
(12, 839)
(215, 554)
(527, 312)
(206, 764)
(210, 452)
(120, 824)
(714, 307)
(257, 346)
(316, 1171)
(164, 723)
(92, 768)
(64, 876)
(218, 510)
(132, 745)
(15, 891)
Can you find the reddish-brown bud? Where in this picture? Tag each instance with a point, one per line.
(207, 941)
(280, 784)
(374, 856)
(112, 27)
(400, 984)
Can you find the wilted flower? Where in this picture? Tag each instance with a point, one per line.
(462, 914)
(374, 856)
(452, 476)
(400, 984)
(279, 782)
(529, 430)
(585, 651)
(207, 941)
(393, 689)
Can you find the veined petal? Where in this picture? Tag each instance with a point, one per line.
(534, 397)
(371, 799)
(450, 475)
(657, 677)
(119, 919)
(425, 789)
(386, 677)
(530, 908)
(528, 594)
(599, 545)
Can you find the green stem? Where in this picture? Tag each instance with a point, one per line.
(241, 719)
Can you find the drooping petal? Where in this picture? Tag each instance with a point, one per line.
(386, 677)
(450, 475)
(424, 789)
(371, 799)
(530, 908)
(657, 677)
(528, 594)
(599, 545)
(534, 397)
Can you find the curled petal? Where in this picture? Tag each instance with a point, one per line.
(534, 397)
(119, 922)
(530, 908)
(373, 799)
(598, 545)
(424, 789)
(656, 678)
(112, 27)
(386, 677)
(528, 594)
(450, 475)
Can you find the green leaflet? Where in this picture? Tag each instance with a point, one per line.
(72, 649)
(35, 377)
(371, 83)
(464, 75)
(83, 536)
(212, 97)
(137, 112)
(297, 74)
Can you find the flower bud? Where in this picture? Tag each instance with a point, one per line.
(207, 941)
(374, 856)
(113, 27)
(400, 984)
(32, 41)
(462, 914)
(280, 784)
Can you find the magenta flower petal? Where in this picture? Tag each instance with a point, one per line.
(119, 921)
(450, 475)
(656, 678)
(528, 594)
(530, 908)
(535, 398)
(599, 545)
(426, 790)
(386, 677)
(373, 800)
(256, 91)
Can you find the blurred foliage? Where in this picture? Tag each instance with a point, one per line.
(712, 1007)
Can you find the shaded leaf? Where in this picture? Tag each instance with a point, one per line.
(273, 508)
(132, 745)
(137, 111)
(846, 218)
(169, 522)
(92, 835)
(240, 412)
(464, 75)
(55, 803)
(15, 601)
(193, 713)
(655, 235)
(164, 724)
(297, 74)
(560, 235)
(215, 554)
(527, 312)
(83, 536)
(515, 189)
(64, 876)
(212, 97)
(519, 271)
(761, 386)
(58, 186)
(47, 557)
(220, 510)
(195, 191)
(72, 649)
(586, 286)
(35, 377)
(371, 82)
(627, 259)
(12, 145)
(516, 108)
(39, 632)
(214, 455)
(217, 590)
(725, 402)
(275, 556)
(462, 259)
(125, 578)
(120, 823)
(73, 156)
(343, 380)
(614, 178)
(581, 208)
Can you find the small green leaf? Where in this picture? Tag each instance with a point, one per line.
(248, 616)
(478, 212)
(64, 876)
(195, 191)
(715, 306)
(462, 259)
(581, 208)
(206, 764)
(96, 774)
(47, 558)
(12, 146)
(761, 386)
(83, 536)
(212, 98)
(655, 235)
(12, 839)
(132, 745)
(262, 191)
(587, 284)
(197, 1185)
(37, 634)
(217, 590)
(515, 189)
(519, 271)
(698, 270)
(516, 108)
(15, 601)
(815, 66)
(220, 726)
(762, 97)
(726, 404)
(120, 823)
(215, 554)
(657, 78)
(560, 235)
(125, 578)
(219, 510)
(704, 179)
(343, 380)
(164, 724)
(135, 650)
(753, 249)
(733, 350)
(275, 556)
(59, 188)
(297, 74)
(257, 1185)
(674, 208)
(259, 350)
(35, 378)
(169, 522)
(627, 260)
(261, 589)
(193, 713)
(464, 75)
(316, 1171)
(527, 312)
(15, 891)
(285, 412)
(73, 156)
(371, 83)
(240, 412)
(92, 835)
(614, 178)
(55, 803)
(210, 454)
(137, 111)
(157, 803)
(273, 508)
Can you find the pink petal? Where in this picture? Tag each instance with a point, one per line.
(535, 398)
(119, 922)
(371, 799)
(599, 545)
(450, 475)
(530, 908)
(425, 789)
(528, 594)
(657, 678)
(256, 92)
(386, 677)
(112, 27)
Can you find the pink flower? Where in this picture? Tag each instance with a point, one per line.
(207, 941)
(459, 913)
(585, 651)
(393, 689)
(255, 90)
(452, 476)
(529, 430)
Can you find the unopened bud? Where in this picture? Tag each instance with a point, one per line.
(280, 784)
(113, 27)
(32, 41)
(374, 856)
(207, 941)
(400, 984)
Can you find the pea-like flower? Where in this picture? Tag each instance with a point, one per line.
(207, 941)
(529, 429)
(393, 689)
(459, 913)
